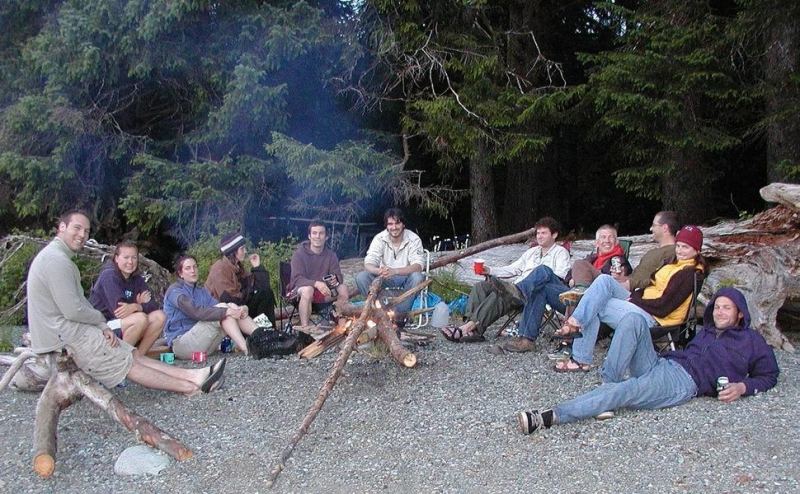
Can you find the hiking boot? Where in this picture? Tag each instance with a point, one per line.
(573, 296)
(561, 352)
(520, 345)
(530, 422)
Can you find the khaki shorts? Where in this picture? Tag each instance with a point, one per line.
(205, 336)
(93, 355)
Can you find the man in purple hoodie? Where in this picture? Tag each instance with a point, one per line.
(725, 347)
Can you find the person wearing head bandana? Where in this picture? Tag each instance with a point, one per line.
(634, 376)
(229, 282)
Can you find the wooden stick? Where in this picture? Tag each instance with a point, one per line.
(143, 428)
(514, 238)
(14, 368)
(58, 394)
(392, 301)
(396, 349)
(327, 386)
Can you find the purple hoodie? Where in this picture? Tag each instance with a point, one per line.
(739, 353)
(111, 288)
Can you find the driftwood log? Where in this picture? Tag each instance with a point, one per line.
(67, 384)
(760, 256)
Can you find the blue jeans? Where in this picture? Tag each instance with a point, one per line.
(540, 287)
(653, 382)
(364, 280)
(604, 301)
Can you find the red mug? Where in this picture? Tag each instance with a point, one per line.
(477, 266)
(199, 357)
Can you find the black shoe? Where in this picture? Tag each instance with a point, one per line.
(529, 422)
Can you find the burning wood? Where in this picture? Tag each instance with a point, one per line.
(379, 328)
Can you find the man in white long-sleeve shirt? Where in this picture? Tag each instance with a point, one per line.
(60, 317)
(535, 277)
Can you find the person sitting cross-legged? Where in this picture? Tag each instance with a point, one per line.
(60, 317)
(634, 376)
(196, 321)
(122, 294)
(536, 278)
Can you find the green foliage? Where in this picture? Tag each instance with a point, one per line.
(446, 284)
(12, 280)
(664, 90)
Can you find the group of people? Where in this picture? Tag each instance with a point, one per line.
(109, 335)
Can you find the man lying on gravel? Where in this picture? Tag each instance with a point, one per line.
(726, 348)
(60, 317)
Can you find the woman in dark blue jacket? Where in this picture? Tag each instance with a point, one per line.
(726, 347)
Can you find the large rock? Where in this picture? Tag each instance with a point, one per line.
(141, 460)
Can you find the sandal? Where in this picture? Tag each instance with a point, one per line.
(452, 333)
(456, 335)
(567, 332)
(570, 365)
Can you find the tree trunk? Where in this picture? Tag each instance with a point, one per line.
(685, 190)
(481, 186)
(783, 130)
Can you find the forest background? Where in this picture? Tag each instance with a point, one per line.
(171, 121)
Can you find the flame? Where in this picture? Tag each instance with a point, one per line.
(348, 323)
(377, 304)
(371, 323)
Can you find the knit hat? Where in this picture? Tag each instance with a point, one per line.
(230, 243)
(690, 235)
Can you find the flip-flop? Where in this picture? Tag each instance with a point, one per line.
(214, 375)
(579, 367)
(452, 333)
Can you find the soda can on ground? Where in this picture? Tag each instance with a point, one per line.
(722, 383)
(199, 357)
(226, 346)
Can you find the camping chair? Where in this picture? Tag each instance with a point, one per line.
(667, 336)
(293, 299)
(551, 316)
(421, 300)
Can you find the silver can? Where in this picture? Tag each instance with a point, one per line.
(616, 264)
(722, 383)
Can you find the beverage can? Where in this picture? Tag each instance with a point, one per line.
(616, 264)
(226, 346)
(199, 357)
(722, 383)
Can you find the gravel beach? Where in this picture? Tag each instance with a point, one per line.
(446, 426)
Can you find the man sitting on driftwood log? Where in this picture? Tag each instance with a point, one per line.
(60, 317)
(538, 272)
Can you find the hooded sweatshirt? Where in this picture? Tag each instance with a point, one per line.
(738, 352)
(112, 287)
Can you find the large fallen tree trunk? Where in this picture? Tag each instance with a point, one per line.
(760, 256)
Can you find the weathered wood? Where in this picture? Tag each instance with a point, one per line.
(514, 238)
(16, 364)
(399, 353)
(58, 394)
(327, 387)
(393, 301)
(66, 385)
(144, 430)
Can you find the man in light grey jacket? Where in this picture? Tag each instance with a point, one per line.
(61, 318)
